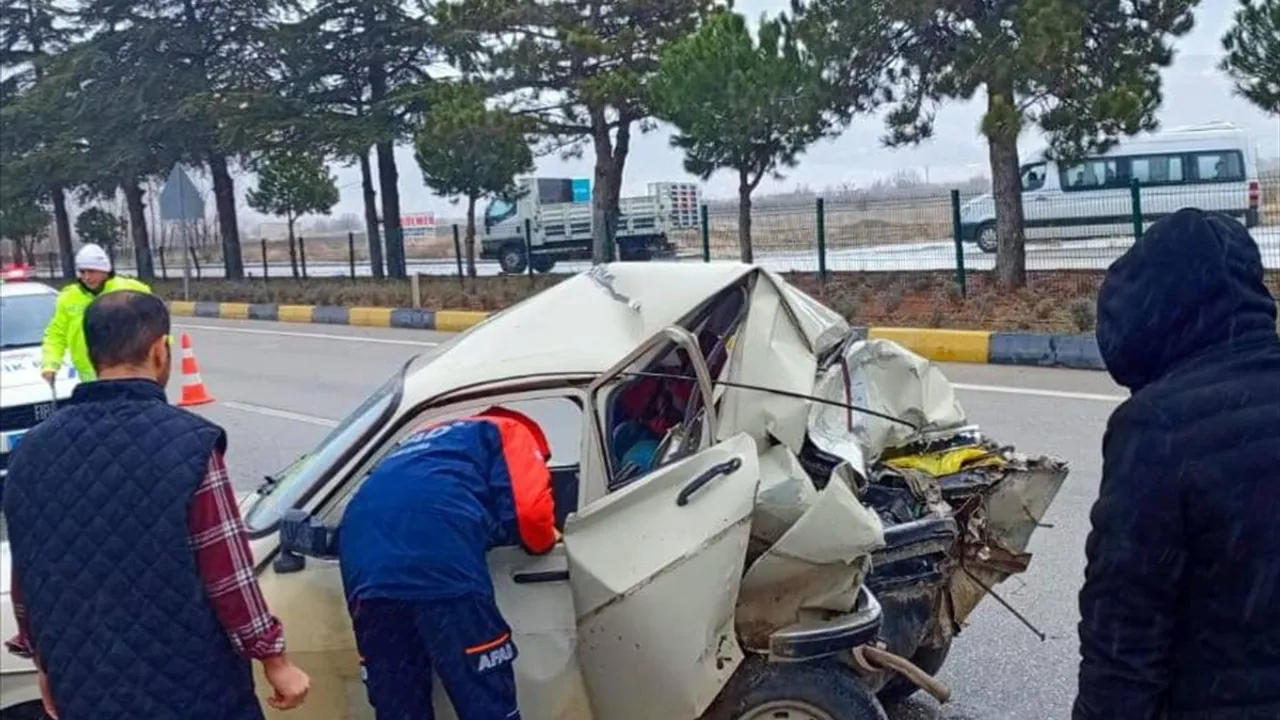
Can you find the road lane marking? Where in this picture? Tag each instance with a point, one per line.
(1036, 392)
(282, 414)
(317, 336)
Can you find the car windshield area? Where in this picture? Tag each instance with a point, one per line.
(498, 211)
(1033, 176)
(23, 319)
(295, 484)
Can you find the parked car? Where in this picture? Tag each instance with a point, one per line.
(813, 510)
(25, 400)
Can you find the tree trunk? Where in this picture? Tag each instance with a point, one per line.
(469, 242)
(138, 229)
(621, 147)
(224, 196)
(61, 220)
(195, 258)
(601, 239)
(62, 227)
(27, 250)
(293, 250)
(744, 216)
(611, 158)
(388, 183)
(1001, 126)
(371, 215)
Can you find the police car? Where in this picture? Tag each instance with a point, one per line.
(25, 398)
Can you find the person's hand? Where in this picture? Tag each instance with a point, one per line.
(559, 535)
(288, 681)
(48, 375)
(46, 695)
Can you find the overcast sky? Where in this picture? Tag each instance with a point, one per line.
(1195, 92)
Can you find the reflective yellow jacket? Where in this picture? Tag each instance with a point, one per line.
(66, 329)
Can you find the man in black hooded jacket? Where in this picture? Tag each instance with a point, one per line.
(1180, 610)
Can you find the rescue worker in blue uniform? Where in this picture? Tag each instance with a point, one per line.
(412, 547)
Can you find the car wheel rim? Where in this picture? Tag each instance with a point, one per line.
(513, 260)
(988, 238)
(785, 710)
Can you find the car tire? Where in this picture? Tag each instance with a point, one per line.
(512, 260)
(820, 690)
(986, 238)
(928, 659)
(27, 711)
(543, 263)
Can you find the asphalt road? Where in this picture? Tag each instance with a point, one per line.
(279, 387)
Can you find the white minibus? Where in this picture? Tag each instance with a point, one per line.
(1212, 167)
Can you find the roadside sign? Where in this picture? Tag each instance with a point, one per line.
(418, 224)
(180, 199)
(180, 202)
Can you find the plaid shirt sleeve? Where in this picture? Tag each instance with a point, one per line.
(19, 644)
(220, 541)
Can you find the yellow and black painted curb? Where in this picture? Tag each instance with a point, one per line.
(964, 346)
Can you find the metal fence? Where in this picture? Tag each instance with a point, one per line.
(1066, 231)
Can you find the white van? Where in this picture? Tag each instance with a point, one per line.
(1211, 167)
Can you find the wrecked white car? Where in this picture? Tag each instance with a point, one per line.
(764, 516)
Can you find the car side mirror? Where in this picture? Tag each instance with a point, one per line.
(303, 536)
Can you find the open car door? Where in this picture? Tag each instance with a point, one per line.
(655, 569)
(655, 564)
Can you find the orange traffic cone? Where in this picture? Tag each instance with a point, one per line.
(193, 390)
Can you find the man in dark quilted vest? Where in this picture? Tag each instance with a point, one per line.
(132, 578)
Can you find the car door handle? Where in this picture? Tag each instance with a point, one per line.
(727, 467)
(542, 576)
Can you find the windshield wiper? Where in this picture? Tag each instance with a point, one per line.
(269, 483)
(14, 346)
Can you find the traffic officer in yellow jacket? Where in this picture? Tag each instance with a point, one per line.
(66, 329)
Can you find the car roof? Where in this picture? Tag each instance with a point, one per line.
(24, 287)
(588, 323)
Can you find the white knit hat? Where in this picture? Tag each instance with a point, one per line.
(93, 257)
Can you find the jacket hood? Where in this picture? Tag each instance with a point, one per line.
(1192, 282)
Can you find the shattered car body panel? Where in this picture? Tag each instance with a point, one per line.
(767, 512)
(813, 571)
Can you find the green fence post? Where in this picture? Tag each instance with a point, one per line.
(1135, 202)
(457, 253)
(528, 247)
(351, 253)
(961, 278)
(705, 223)
(822, 240)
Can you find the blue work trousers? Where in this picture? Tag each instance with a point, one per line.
(464, 640)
